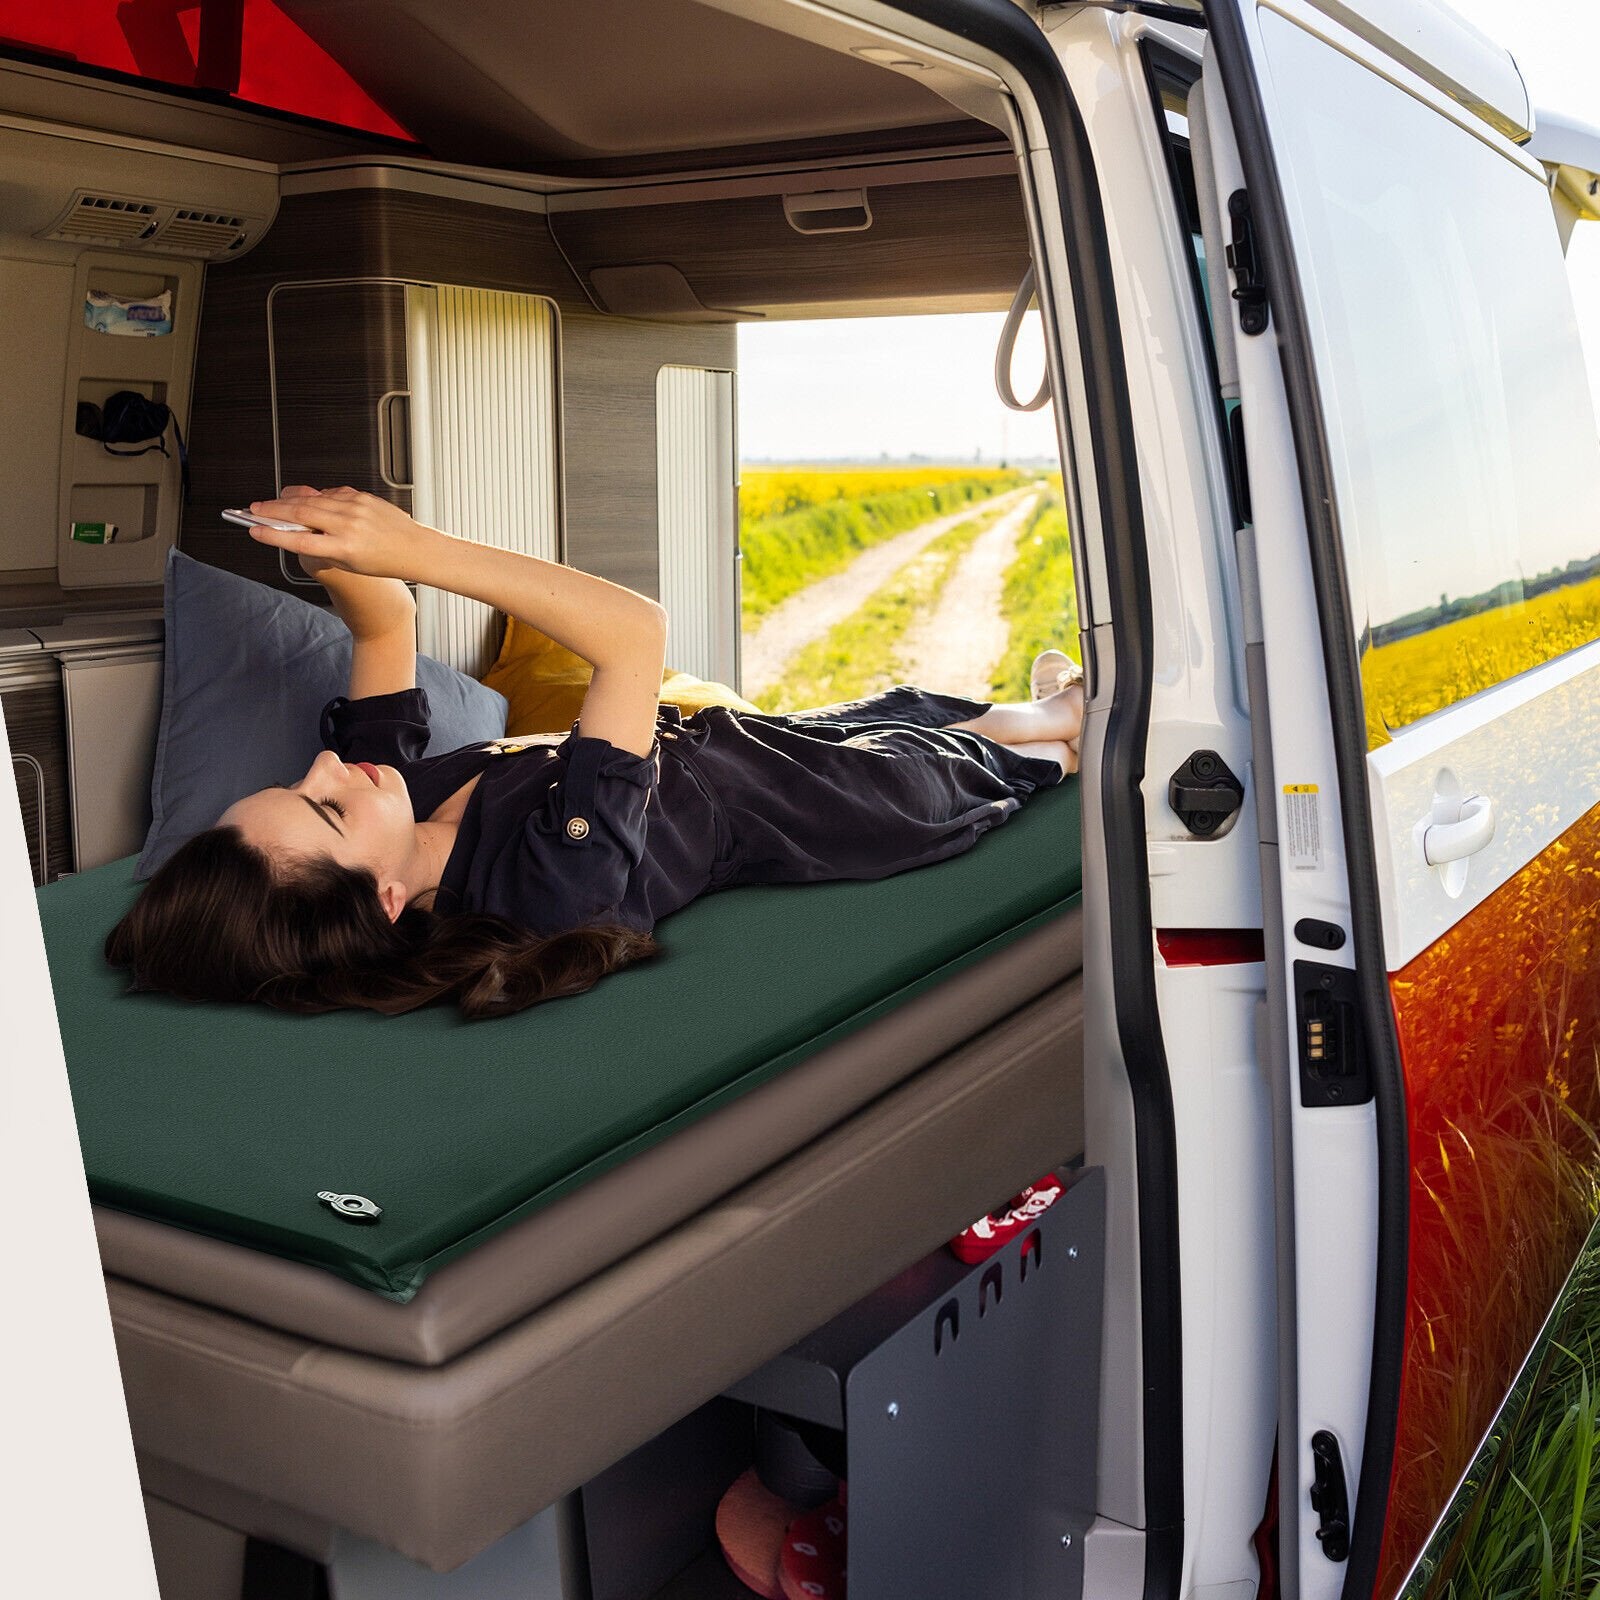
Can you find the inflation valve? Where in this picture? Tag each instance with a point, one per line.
(1204, 793)
(352, 1207)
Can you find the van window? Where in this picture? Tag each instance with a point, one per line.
(897, 523)
(261, 56)
(1460, 419)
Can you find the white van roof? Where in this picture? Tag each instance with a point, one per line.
(1570, 151)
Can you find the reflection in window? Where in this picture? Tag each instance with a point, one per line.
(1464, 445)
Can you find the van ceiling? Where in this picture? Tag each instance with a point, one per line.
(601, 87)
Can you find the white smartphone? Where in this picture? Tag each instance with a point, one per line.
(248, 519)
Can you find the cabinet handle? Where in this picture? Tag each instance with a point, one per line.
(394, 438)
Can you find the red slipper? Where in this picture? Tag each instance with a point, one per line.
(751, 1523)
(811, 1566)
(995, 1231)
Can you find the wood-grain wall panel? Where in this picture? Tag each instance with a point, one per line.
(609, 393)
(338, 348)
(608, 366)
(357, 233)
(946, 239)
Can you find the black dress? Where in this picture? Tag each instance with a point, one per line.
(564, 830)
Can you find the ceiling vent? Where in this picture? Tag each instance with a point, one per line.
(203, 233)
(106, 219)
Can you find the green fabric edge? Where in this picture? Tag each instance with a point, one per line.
(401, 1284)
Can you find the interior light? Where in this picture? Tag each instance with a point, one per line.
(888, 58)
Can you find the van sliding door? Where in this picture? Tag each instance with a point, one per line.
(1420, 441)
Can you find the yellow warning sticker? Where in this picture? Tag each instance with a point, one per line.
(1302, 827)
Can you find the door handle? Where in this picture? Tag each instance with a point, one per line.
(1455, 841)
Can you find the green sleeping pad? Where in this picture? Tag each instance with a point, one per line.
(231, 1120)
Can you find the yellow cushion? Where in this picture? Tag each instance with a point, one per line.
(545, 683)
(690, 694)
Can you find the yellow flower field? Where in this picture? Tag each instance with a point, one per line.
(775, 491)
(1408, 678)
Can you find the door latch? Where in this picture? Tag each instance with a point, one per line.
(1204, 793)
(1244, 257)
(1328, 1497)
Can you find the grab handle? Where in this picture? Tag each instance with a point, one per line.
(1008, 346)
(1454, 841)
(828, 211)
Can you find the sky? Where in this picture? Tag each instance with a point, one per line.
(899, 386)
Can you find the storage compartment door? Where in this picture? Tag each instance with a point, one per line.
(696, 513)
(1426, 691)
(113, 703)
(483, 456)
(339, 381)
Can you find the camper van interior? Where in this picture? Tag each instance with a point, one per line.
(488, 263)
(1292, 986)
(415, 1308)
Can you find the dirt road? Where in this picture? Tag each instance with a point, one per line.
(956, 647)
(811, 612)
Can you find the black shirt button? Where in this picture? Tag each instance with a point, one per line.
(577, 828)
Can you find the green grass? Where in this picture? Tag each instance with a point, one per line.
(1038, 599)
(1533, 1530)
(858, 656)
(783, 554)
(1538, 1533)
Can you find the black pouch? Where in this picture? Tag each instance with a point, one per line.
(130, 418)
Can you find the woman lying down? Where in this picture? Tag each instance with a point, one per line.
(502, 875)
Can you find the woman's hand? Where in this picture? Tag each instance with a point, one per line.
(312, 566)
(351, 532)
(372, 608)
(623, 634)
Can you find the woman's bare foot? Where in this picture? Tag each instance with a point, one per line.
(1056, 719)
(1054, 674)
(1062, 713)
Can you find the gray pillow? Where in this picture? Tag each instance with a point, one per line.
(248, 670)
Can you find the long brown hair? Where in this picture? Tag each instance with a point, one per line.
(219, 922)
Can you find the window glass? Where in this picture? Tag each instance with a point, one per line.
(259, 56)
(1172, 92)
(1175, 114)
(1447, 351)
(1583, 273)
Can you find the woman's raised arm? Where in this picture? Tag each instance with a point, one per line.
(379, 612)
(622, 633)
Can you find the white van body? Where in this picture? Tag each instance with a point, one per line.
(1316, 371)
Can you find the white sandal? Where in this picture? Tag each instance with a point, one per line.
(1053, 671)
